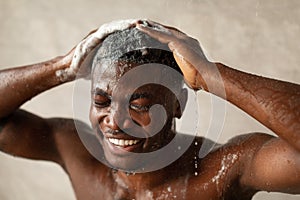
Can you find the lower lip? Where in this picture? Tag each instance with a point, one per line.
(123, 150)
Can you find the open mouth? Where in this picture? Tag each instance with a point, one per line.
(121, 146)
(123, 142)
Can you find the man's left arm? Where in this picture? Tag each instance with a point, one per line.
(275, 164)
(274, 103)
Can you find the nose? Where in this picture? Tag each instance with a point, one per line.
(117, 119)
(111, 121)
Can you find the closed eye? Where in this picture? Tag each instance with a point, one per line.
(140, 102)
(101, 104)
(139, 108)
(101, 99)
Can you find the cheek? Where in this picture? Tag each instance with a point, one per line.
(142, 119)
(93, 119)
(95, 116)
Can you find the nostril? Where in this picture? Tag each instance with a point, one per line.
(107, 120)
(110, 122)
(115, 132)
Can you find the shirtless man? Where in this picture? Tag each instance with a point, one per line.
(236, 170)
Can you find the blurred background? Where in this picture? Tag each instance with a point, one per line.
(257, 36)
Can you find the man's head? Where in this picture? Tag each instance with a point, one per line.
(134, 76)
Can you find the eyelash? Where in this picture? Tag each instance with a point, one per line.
(139, 107)
(135, 107)
(102, 104)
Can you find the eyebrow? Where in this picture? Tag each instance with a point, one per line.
(135, 96)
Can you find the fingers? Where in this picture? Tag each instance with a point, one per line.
(162, 33)
(96, 37)
(159, 34)
(170, 28)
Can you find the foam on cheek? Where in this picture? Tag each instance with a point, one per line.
(86, 45)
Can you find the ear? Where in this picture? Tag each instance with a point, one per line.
(181, 103)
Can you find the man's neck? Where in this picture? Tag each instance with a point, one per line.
(138, 181)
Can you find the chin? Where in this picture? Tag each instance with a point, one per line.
(129, 157)
(125, 163)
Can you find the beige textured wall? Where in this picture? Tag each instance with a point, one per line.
(258, 36)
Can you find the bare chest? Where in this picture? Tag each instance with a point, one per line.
(212, 178)
(213, 187)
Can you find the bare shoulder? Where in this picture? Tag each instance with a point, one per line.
(232, 157)
(68, 127)
(27, 135)
(250, 138)
(242, 146)
(67, 138)
(77, 145)
(220, 170)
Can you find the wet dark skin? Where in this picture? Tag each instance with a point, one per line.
(238, 169)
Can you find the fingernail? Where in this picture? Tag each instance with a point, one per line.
(141, 26)
(140, 22)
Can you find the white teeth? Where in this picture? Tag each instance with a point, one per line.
(121, 142)
(126, 142)
(130, 142)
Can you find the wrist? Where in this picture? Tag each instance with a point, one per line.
(62, 71)
(204, 77)
(210, 78)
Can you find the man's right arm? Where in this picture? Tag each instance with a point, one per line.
(25, 134)
(22, 133)
(20, 84)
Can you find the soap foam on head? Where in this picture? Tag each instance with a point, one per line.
(132, 47)
(86, 45)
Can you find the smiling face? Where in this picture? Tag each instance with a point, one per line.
(128, 117)
(124, 119)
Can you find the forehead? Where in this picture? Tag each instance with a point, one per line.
(124, 75)
(127, 78)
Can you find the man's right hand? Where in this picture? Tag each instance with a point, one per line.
(79, 59)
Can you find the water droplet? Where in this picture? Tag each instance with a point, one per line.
(130, 173)
(179, 147)
(169, 189)
(196, 173)
(196, 143)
